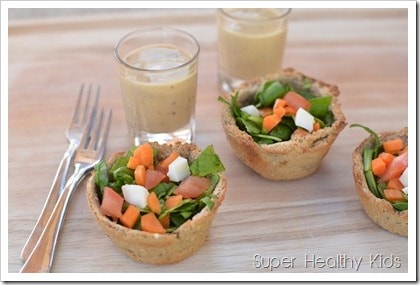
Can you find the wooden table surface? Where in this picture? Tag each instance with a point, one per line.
(363, 51)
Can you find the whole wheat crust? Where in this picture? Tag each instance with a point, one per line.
(379, 210)
(293, 159)
(159, 248)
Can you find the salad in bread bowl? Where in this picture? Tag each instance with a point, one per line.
(157, 202)
(282, 125)
(380, 171)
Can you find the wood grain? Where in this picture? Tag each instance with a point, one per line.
(363, 51)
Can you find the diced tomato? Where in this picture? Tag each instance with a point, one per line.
(112, 203)
(153, 178)
(395, 168)
(296, 101)
(193, 186)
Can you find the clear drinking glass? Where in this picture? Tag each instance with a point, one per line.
(250, 43)
(157, 69)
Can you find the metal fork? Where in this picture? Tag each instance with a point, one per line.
(73, 134)
(88, 154)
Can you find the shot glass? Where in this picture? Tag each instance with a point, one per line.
(251, 43)
(157, 70)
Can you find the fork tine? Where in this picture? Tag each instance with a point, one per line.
(101, 144)
(83, 119)
(76, 111)
(87, 130)
(95, 104)
(93, 142)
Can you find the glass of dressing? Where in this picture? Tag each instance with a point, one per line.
(251, 43)
(157, 70)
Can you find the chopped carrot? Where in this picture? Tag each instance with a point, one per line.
(265, 111)
(290, 110)
(166, 220)
(153, 203)
(296, 101)
(130, 216)
(316, 127)
(151, 224)
(386, 157)
(378, 166)
(279, 102)
(405, 149)
(395, 168)
(164, 164)
(393, 195)
(133, 162)
(140, 175)
(270, 121)
(173, 201)
(144, 153)
(393, 146)
(280, 111)
(395, 183)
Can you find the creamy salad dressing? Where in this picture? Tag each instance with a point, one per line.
(252, 47)
(169, 96)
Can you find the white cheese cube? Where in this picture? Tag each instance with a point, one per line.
(304, 120)
(178, 170)
(404, 177)
(405, 190)
(135, 194)
(251, 110)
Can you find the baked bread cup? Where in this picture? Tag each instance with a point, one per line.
(379, 210)
(293, 159)
(156, 248)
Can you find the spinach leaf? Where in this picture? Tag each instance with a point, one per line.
(282, 131)
(236, 110)
(208, 201)
(250, 124)
(400, 206)
(377, 143)
(206, 163)
(328, 119)
(101, 177)
(320, 106)
(164, 190)
(270, 91)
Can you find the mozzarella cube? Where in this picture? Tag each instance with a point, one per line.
(405, 190)
(135, 194)
(304, 120)
(251, 110)
(178, 170)
(404, 178)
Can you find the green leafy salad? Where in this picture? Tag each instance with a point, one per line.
(279, 109)
(385, 167)
(145, 191)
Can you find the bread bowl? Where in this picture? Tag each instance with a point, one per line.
(297, 157)
(163, 248)
(379, 210)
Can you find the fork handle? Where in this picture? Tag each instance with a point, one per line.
(57, 186)
(41, 258)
